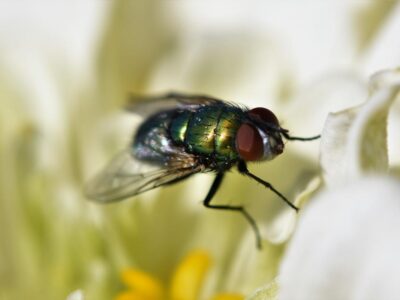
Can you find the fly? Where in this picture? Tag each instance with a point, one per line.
(187, 134)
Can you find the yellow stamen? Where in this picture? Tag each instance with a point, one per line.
(228, 297)
(130, 295)
(143, 286)
(189, 276)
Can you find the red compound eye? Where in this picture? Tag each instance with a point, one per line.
(263, 114)
(249, 143)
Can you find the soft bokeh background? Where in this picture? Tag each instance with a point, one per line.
(66, 69)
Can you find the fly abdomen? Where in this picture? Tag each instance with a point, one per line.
(179, 125)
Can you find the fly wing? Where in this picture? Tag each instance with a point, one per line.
(145, 106)
(126, 176)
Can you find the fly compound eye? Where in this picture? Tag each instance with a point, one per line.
(249, 143)
(264, 115)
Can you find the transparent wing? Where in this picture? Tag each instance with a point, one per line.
(147, 105)
(126, 176)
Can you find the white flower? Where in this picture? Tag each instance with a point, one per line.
(345, 245)
(76, 295)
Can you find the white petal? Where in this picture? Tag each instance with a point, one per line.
(354, 140)
(306, 113)
(383, 53)
(76, 295)
(346, 245)
(268, 292)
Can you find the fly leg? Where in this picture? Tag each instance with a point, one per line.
(214, 188)
(242, 167)
(285, 133)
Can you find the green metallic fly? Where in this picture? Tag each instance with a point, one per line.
(182, 135)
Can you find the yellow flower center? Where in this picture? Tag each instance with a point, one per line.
(189, 276)
(186, 282)
(142, 286)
